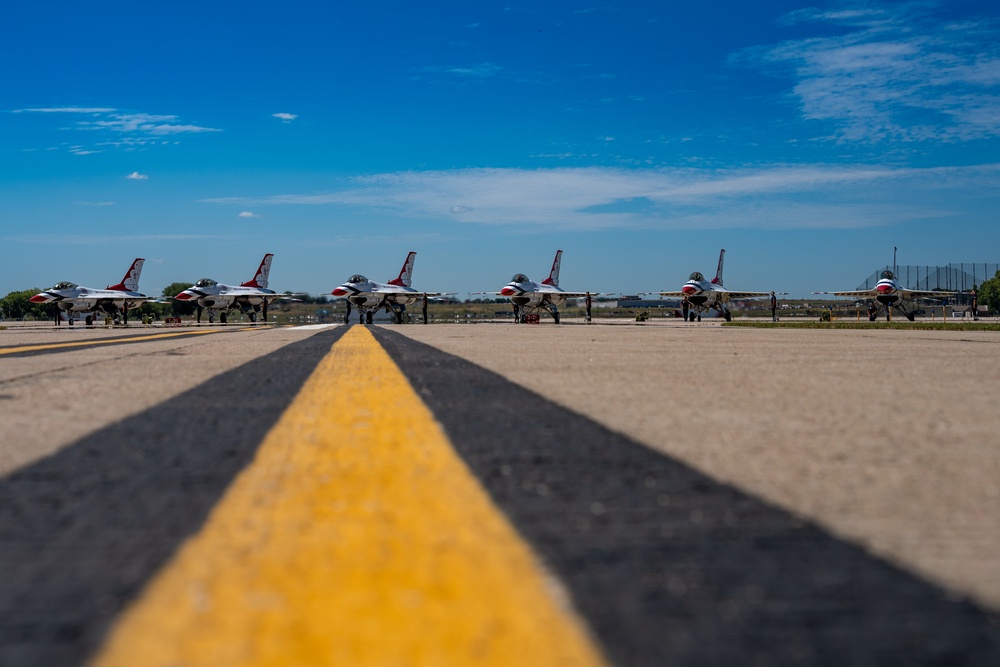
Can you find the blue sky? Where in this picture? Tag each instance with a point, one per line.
(808, 139)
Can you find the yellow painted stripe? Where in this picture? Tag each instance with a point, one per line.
(105, 341)
(356, 537)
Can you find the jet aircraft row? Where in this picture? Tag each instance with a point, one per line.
(253, 297)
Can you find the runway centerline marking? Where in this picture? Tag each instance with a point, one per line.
(357, 536)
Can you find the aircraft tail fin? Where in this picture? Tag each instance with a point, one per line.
(130, 283)
(406, 273)
(717, 280)
(263, 271)
(553, 278)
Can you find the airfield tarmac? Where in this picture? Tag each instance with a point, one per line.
(693, 494)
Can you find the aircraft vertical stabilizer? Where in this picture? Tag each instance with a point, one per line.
(130, 283)
(553, 278)
(263, 271)
(717, 280)
(406, 273)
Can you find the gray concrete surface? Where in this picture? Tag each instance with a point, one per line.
(887, 438)
(54, 398)
(881, 439)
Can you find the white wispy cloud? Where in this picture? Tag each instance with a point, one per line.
(120, 130)
(144, 124)
(136, 176)
(776, 197)
(477, 71)
(287, 117)
(87, 110)
(248, 214)
(898, 73)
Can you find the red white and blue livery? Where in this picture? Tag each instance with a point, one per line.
(527, 296)
(251, 297)
(368, 296)
(115, 300)
(699, 295)
(889, 294)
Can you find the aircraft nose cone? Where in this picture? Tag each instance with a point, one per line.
(340, 291)
(508, 291)
(688, 289)
(884, 289)
(184, 296)
(38, 298)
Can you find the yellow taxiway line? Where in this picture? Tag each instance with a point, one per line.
(356, 537)
(102, 341)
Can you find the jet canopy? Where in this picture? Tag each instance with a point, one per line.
(357, 278)
(888, 275)
(519, 278)
(697, 276)
(64, 285)
(205, 282)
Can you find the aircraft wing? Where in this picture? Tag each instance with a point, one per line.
(856, 294)
(571, 295)
(752, 295)
(924, 294)
(96, 298)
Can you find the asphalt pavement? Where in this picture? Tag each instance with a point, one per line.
(698, 495)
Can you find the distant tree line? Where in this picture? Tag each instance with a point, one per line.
(989, 293)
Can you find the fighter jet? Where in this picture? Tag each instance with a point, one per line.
(698, 294)
(251, 297)
(527, 296)
(115, 300)
(394, 296)
(889, 294)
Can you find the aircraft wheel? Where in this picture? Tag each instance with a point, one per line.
(729, 317)
(90, 320)
(910, 317)
(253, 316)
(211, 318)
(223, 318)
(699, 317)
(368, 317)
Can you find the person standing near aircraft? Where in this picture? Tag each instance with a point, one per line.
(975, 305)
(425, 308)
(774, 308)
(872, 311)
(588, 302)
